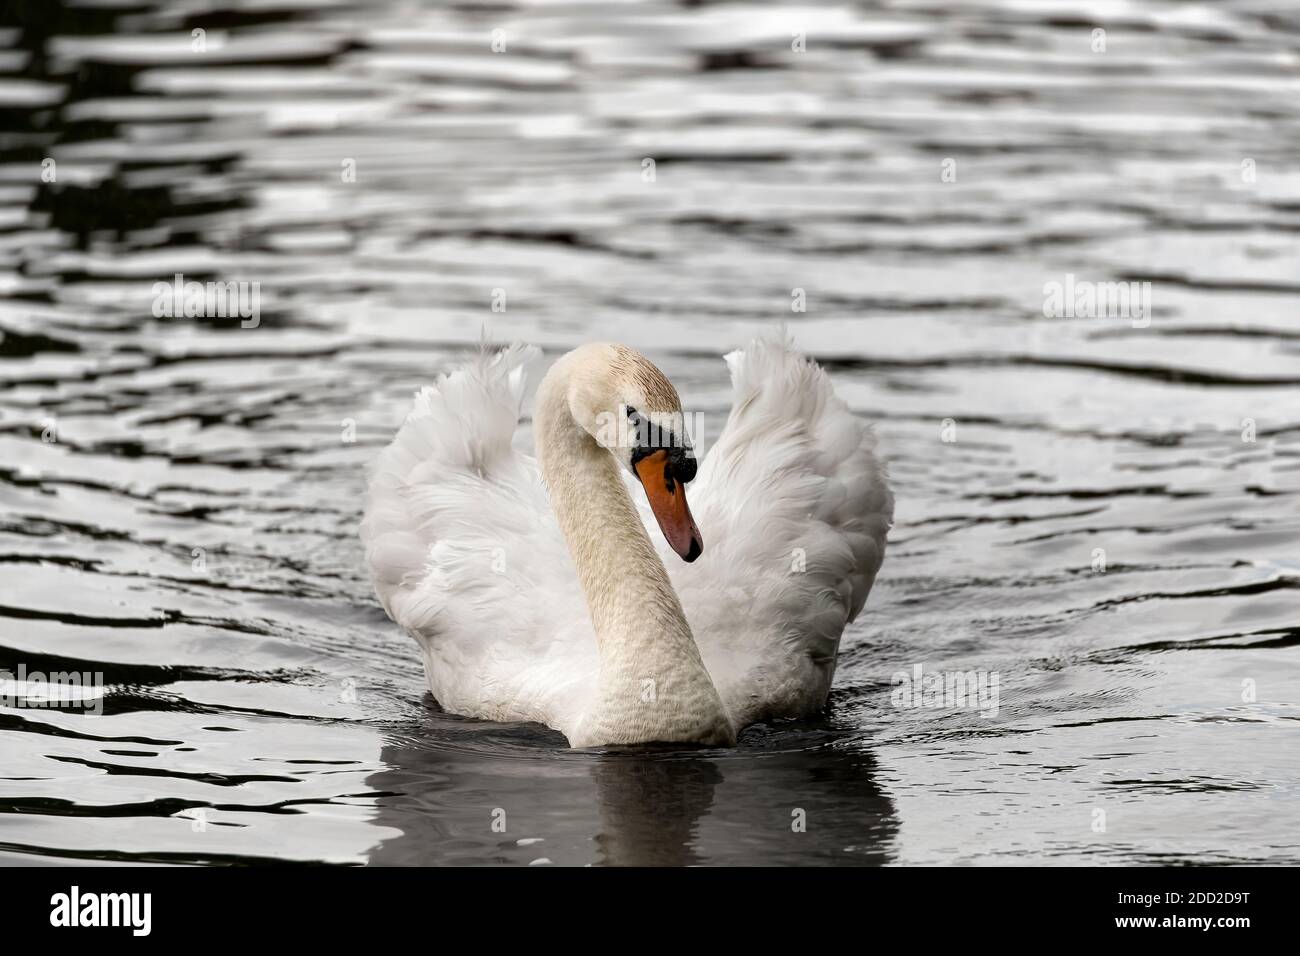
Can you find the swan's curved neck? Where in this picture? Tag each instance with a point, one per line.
(653, 683)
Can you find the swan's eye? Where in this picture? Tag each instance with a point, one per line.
(651, 437)
(683, 465)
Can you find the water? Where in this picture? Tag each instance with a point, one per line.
(191, 533)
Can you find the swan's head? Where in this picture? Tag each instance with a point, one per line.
(627, 405)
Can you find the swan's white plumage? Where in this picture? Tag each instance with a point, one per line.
(468, 557)
(791, 483)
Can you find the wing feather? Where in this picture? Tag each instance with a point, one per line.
(467, 557)
(794, 508)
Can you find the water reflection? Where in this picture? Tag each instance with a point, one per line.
(650, 809)
(778, 799)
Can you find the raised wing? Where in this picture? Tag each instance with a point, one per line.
(794, 509)
(466, 555)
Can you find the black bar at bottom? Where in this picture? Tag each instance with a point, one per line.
(336, 906)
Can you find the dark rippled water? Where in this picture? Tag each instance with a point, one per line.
(190, 532)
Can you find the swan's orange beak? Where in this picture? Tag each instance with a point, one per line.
(667, 498)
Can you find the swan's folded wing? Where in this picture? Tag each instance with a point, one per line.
(466, 555)
(794, 509)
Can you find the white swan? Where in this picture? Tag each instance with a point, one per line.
(484, 559)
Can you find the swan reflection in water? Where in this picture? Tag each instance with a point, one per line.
(517, 795)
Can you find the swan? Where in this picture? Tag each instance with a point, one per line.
(485, 555)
